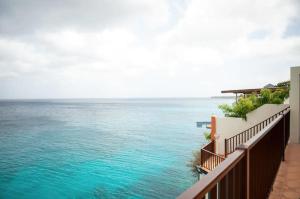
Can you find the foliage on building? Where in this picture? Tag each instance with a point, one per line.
(248, 103)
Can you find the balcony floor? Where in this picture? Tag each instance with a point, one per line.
(287, 183)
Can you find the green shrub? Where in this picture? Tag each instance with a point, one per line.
(251, 102)
(207, 136)
(279, 96)
(239, 109)
(265, 96)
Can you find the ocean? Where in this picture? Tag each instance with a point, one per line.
(100, 148)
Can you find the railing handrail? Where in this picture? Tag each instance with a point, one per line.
(213, 177)
(245, 134)
(208, 144)
(256, 138)
(209, 159)
(286, 110)
(259, 123)
(214, 154)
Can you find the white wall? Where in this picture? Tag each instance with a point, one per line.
(229, 126)
(294, 102)
(287, 101)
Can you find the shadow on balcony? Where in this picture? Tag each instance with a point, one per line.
(287, 182)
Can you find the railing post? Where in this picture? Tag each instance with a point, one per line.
(247, 170)
(213, 193)
(225, 148)
(283, 148)
(247, 183)
(201, 157)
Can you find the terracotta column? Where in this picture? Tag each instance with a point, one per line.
(213, 124)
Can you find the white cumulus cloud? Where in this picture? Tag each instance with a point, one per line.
(134, 48)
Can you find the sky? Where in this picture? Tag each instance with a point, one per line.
(144, 48)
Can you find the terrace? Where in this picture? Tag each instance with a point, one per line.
(260, 162)
(287, 182)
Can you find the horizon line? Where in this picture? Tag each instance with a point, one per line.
(78, 98)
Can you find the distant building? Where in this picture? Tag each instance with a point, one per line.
(269, 86)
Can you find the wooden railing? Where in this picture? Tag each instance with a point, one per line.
(238, 139)
(210, 146)
(210, 160)
(287, 127)
(249, 172)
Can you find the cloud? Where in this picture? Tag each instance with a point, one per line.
(134, 48)
(27, 17)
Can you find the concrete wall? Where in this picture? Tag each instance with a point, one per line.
(229, 126)
(294, 102)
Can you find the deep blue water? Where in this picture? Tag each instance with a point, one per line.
(100, 148)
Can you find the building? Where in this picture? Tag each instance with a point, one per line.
(261, 157)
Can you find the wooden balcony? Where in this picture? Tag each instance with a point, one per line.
(250, 170)
(287, 182)
(209, 159)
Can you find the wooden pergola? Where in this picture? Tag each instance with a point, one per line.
(250, 91)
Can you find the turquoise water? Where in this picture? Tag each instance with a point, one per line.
(100, 148)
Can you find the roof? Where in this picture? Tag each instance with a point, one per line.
(269, 86)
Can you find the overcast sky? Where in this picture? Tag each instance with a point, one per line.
(144, 48)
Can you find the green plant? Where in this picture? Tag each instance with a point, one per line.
(239, 109)
(207, 135)
(277, 97)
(251, 102)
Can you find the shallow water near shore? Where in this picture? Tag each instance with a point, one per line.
(100, 148)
